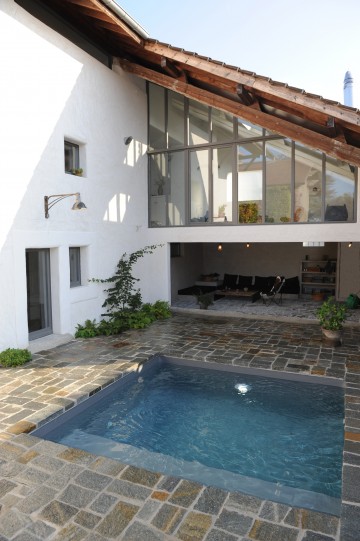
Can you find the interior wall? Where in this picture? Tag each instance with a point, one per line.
(348, 269)
(186, 268)
(262, 259)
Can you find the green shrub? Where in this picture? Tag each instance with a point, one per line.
(124, 319)
(14, 357)
(88, 330)
(161, 310)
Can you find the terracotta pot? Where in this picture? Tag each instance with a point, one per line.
(332, 337)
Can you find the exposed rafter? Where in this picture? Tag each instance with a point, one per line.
(333, 147)
(323, 124)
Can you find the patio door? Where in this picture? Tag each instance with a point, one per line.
(38, 292)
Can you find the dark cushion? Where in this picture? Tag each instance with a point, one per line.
(292, 285)
(244, 281)
(230, 281)
(264, 283)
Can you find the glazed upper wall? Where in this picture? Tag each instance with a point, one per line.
(208, 167)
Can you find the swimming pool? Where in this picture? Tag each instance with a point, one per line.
(273, 437)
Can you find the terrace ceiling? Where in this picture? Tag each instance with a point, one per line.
(319, 123)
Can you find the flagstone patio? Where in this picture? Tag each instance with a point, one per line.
(52, 492)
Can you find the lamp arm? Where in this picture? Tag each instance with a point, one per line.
(57, 198)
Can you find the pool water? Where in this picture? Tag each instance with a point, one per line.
(275, 438)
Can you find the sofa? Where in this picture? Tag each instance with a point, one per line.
(260, 283)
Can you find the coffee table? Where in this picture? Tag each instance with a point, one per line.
(237, 294)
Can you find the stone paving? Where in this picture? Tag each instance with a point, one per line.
(51, 492)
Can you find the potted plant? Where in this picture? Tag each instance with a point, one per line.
(332, 315)
(204, 300)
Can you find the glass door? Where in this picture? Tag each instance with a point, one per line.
(38, 292)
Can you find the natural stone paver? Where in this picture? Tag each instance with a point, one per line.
(185, 493)
(77, 496)
(267, 531)
(211, 500)
(234, 522)
(168, 518)
(138, 531)
(49, 491)
(117, 520)
(220, 535)
(310, 520)
(129, 490)
(140, 476)
(58, 512)
(194, 527)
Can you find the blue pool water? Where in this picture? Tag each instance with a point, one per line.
(275, 438)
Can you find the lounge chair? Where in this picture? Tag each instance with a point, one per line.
(275, 294)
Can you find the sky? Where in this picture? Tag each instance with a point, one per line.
(308, 44)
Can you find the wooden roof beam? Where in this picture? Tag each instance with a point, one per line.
(252, 81)
(172, 70)
(97, 10)
(245, 96)
(332, 147)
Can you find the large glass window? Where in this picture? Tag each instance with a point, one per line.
(176, 203)
(176, 120)
(159, 190)
(199, 185)
(308, 184)
(207, 166)
(222, 182)
(157, 133)
(199, 125)
(222, 126)
(250, 182)
(278, 181)
(247, 130)
(340, 191)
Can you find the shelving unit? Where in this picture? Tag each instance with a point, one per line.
(318, 278)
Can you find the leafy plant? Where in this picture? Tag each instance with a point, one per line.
(125, 309)
(248, 213)
(14, 357)
(88, 330)
(332, 314)
(122, 294)
(204, 300)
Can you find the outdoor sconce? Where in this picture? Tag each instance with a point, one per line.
(247, 245)
(78, 205)
(127, 140)
(350, 244)
(219, 247)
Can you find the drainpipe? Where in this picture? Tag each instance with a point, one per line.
(125, 17)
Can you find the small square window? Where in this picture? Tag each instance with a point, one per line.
(75, 267)
(72, 157)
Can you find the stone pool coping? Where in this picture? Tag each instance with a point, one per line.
(49, 491)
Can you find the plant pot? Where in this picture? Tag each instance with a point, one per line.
(332, 337)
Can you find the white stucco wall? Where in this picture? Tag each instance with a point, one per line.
(53, 90)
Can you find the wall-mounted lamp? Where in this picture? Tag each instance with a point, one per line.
(127, 140)
(219, 247)
(78, 205)
(247, 245)
(350, 244)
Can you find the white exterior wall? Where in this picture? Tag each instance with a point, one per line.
(53, 90)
